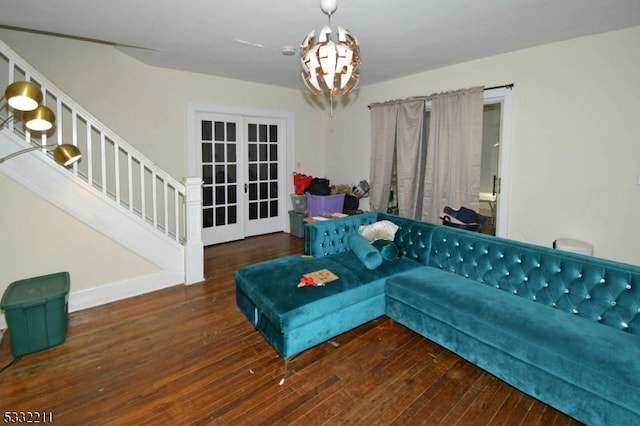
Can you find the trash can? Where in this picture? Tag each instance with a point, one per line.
(574, 246)
(37, 310)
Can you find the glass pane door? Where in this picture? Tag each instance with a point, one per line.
(222, 201)
(264, 147)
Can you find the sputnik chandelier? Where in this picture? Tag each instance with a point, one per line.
(330, 68)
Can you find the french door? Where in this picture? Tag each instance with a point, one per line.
(242, 165)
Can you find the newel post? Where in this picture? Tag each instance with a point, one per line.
(193, 247)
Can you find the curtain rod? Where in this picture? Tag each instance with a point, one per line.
(417, 98)
(504, 86)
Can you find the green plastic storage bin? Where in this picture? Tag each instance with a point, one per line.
(37, 310)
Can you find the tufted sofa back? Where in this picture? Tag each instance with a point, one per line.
(413, 237)
(597, 289)
(332, 236)
(593, 288)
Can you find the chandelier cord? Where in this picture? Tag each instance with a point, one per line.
(331, 91)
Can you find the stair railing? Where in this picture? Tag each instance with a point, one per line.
(109, 164)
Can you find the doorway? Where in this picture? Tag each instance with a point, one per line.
(496, 153)
(242, 161)
(496, 158)
(489, 170)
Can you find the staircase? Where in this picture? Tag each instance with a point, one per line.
(114, 189)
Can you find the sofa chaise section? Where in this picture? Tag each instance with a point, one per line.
(293, 319)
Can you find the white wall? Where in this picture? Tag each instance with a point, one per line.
(575, 157)
(576, 137)
(147, 107)
(38, 239)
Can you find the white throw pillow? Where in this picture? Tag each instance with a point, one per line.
(381, 230)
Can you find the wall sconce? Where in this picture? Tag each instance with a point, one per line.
(65, 154)
(26, 97)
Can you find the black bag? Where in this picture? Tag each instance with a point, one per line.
(351, 202)
(319, 186)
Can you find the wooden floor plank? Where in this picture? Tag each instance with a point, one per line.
(186, 355)
(471, 394)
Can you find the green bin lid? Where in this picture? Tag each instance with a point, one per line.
(35, 289)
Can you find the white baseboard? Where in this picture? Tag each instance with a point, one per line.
(97, 296)
(112, 292)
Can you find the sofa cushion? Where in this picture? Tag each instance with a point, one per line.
(582, 352)
(366, 253)
(388, 249)
(272, 286)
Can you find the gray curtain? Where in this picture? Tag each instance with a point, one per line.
(410, 158)
(383, 139)
(454, 152)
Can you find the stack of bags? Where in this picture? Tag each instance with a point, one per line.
(463, 216)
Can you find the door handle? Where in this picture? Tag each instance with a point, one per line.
(246, 188)
(495, 179)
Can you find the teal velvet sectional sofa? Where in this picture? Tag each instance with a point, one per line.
(561, 327)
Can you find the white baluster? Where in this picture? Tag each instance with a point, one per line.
(59, 120)
(116, 170)
(103, 162)
(166, 207)
(74, 136)
(154, 198)
(130, 180)
(89, 156)
(143, 201)
(176, 208)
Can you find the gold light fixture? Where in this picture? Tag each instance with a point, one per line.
(25, 96)
(40, 119)
(330, 68)
(65, 154)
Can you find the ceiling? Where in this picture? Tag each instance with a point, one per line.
(243, 39)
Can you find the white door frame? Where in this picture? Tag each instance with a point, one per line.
(195, 169)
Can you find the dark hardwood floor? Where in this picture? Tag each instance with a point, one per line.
(186, 355)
